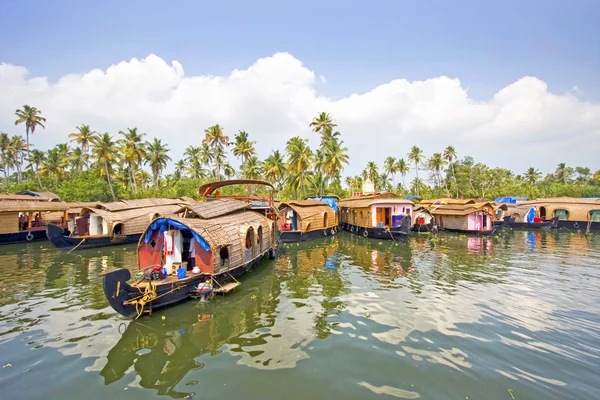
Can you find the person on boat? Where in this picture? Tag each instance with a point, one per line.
(38, 220)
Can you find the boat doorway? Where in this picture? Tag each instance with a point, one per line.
(324, 220)
(543, 213)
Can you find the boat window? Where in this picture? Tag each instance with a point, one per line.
(118, 229)
(595, 215)
(562, 214)
(543, 213)
(224, 254)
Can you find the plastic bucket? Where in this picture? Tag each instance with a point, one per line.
(181, 273)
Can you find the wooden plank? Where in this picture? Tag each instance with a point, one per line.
(226, 288)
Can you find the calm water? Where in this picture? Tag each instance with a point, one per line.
(441, 317)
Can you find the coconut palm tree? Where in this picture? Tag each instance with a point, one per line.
(133, 151)
(435, 164)
(194, 159)
(83, 137)
(157, 158)
(253, 168)
(300, 161)
(219, 159)
(32, 118)
(5, 156)
(274, 168)
(243, 148)
(389, 166)
(104, 150)
(402, 168)
(78, 159)
(416, 156)
(563, 173)
(54, 165)
(16, 149)
(215, 137)
(532, 175)
(179, 167)
(36, 160)
(334, 158)
(372, 172)
(450, 156)
(322, 124)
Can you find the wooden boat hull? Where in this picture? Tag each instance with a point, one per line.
(297, 236)
(397, 233)
(579, 226)
(545, 225)
(57, 237)
(117, 291)
(491, 232)
(23, 237)
(423, 227)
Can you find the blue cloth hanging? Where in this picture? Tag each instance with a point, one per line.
(162, 224)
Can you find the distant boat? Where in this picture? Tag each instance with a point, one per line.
(220, 239)
(384, 216)
(464, 216)
(23, 217)
(423, 220)
(109, 224)
(306, 219)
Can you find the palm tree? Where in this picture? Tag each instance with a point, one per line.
(323, 124)
(32, 118)
(157, 158)
(334, 158)
(435, 163)
(179, 168)
(563, 173)
(194, 159)
(389, 165)
(54, 165)
(532, 175)
(219, 159)
(228, 171)
(253, 168)
(4, 153)
(403, 168)
(243, 147)
(274, 168)
(416, 156)
(450, 156)
(215, 136)
(83, 137)
(133, 151)
(78, 159)
(300, 161)
(36, 159)
(16, 148)
(104, 151)
(372, 172)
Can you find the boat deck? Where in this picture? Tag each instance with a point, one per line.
(226, 288)
(171, 279)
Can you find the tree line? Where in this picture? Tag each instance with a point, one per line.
(100, 166)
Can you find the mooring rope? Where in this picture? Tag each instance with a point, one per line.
(82, 240)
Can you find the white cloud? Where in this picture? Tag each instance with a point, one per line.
(522, 125)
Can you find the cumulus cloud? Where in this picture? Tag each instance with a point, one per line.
(522, 125)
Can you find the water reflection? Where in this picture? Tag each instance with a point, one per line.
(344, 311)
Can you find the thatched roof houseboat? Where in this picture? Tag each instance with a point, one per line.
(378, 215)
(206, 244)
(469, 217)
(305, 219)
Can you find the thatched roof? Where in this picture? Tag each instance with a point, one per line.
(21, 197)
(368, 200)
(448, 201)
(563, 200)
(122, 205)
(125, 215)
(44, 196)
(34, 206)
(208, 188)
(307, 208)
(458, 209)
(215, 208)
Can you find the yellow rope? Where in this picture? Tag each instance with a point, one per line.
(148, 295)
(82, 240)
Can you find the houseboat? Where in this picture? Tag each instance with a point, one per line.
(377, 216)
(575, 214)
(24, 221)
(422, 220)
(199, 251)
(263, 202)
(109, 224)
(306, 219)
(469, 217)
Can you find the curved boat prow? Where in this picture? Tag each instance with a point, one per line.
(117, 291)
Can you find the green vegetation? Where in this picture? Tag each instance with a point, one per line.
(100, 166)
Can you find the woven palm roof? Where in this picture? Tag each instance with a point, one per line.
(563, 200)
(34, 206)
(457, 209)
(212, 186)
(368, 200)
(214, 208)
(21, 197)
(448, 201)
(122, 205)
(307, 208)
(125, 215)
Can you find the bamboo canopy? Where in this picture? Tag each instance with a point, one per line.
(122, 205)
(313, 214)
(47, 196)
(459, 209)
(225, 231)
(212, 209)
(21, 197)
(368, 200)
(34, 206)
(133, 220)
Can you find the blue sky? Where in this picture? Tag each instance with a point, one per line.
(355, 45)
